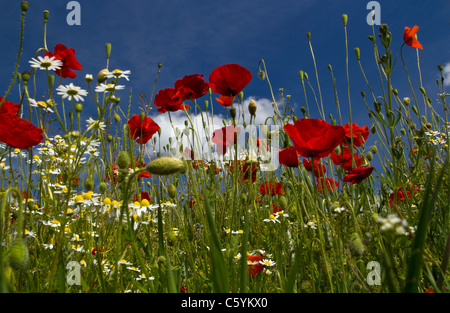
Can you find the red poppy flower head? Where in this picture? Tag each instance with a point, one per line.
(191, 87)
(319, 168)
(357, 175)
(254, 265)
(165, 100)
(326, 184)
(19, 133)
(225, 137)
(142, 130)
(67, 56)
(8, 107)
(288, 157)
(410, 37)
(271, 188)
(225, 101)
(229, 79)
(314, 138)
(360, 134)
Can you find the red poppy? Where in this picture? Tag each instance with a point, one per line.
(190, 87)
(410, 37)
(8, 107)
(360, 134)
(357, 175)
(229, 79)
(401, 196)
(225, 101)
(288, 157)
(67, 56)
(314, 138)
(254, 265)
(319, 168)
(344, 159)
(326, 184)
(19, 133)
(271, 188)
(142, 131)
(259, 142)
(225, 137)
(245, 170)
(166, 101)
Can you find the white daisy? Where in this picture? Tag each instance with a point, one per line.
(108, 87)
(118, 74)
(95, 124)
(46, 63)
(42, 105)
(272, 218)
(267, 262)
(72, 92)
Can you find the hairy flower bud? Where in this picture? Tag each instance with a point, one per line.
(123, 160)
(252, 107)
(356, 245)
(166, 166)
(18, 256)
(172, 191)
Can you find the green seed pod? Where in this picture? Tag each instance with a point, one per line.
(116, 118)
(172, 191)
(18, 256)
(25, 76)
(357, 53)
(369, 156)
(24, 5)
(356, 245)
(123, 160)
(46, 14)
(374, 149)
(78, 107)
(108, 49)
(166, 166)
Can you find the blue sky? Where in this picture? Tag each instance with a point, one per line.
(195, 36)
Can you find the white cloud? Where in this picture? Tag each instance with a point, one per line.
(446, 73)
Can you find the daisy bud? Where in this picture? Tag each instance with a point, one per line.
(88, 78)
(18, 256)
(78, 107)
(252, 107)
(166, 166)
(101, 77)
(24, 6)
(172, 191)
(356, 245)
(123, 160)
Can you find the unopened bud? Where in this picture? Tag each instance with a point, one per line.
(344, 19)
(172, 191)
(356, 245)
(101, 77)
(166, 166)
(406, 101)
(18, 256)
(24, 6)
(252, 107)
(357, 53)
(78, 107)
(123, 160)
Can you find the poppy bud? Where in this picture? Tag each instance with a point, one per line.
(88, 184)
(330, 68)
(422, 90)
(369, 156)
(301, 74)
(308, 35)
(395, 92)
(371, 38)
(414, 108)
(283, 202)
(403, 131)
(101, 77)
(123, 160)
(172, 191)
(233, 112)
(377, 106)
(102, 187)
(344, 19)
(374, 149)
(206, 104)
(166, 166)
(356, 245)
(357, 52)
(117, 118)
(18, 256)
(108, 49)
(241, 95)
(51, 81)
(261, 75)
(303, 109)
(172, 238)
(78, 107)
(252, 107)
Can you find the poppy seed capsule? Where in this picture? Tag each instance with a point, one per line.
(252, 107)
(78, 107)
(166, 166)
(123, 160)
(18, 256)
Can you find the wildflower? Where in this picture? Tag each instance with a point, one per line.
(410, 37)
(190, 87)
(311, 224)
(19, 133)
(142, 131)
(225, 137)
(273, 218)
(288, 157)
(3, 166)
(401, 195)
(72, 92)
(46, 106)
(314, 137)
(46, 63)
(165, 100)
(326, 184)
(108, 88)
(68, 61)
(254, 265)
(118, 74)
(95, 124)
(267, 262)
(394, 227)
(319, 168)
(229, 79)
(225, 101)
(357, 175)
(344, 159)
(271, 188)
(360, 134)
